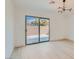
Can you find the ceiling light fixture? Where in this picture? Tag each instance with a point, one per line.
(63, 8)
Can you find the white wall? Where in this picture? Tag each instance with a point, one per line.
(69, 27)
(59, 25)
(9, 24)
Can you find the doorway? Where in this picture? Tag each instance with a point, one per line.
(36, 29)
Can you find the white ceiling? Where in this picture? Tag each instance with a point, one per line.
(38, 5)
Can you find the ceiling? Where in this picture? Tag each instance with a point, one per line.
(39, 5)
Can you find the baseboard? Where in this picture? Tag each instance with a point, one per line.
(20, 46)
(63, 39)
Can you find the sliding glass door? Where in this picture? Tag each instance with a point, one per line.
(36, 29)
(32, 30)
(44, 29)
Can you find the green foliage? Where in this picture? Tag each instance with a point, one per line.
(42, 22)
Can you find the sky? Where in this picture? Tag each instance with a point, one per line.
(30, 19)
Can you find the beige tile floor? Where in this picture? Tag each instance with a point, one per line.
(48, 50)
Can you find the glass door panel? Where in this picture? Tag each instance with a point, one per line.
(44, 29)
(32, 30)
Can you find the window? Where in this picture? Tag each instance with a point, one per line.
(36, 29)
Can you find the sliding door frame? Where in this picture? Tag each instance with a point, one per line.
(38, 28)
